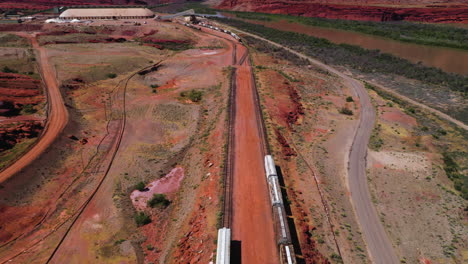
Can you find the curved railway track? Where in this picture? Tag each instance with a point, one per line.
(115, 143)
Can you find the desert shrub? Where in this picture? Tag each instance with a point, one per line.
(29, 109)
(7, 69)
(455, 173)
(142, 219)
(193, 95)
(154, 86)
(140, 186)
(349, 99)
(158, 200)
(346, 111)
(111, 75)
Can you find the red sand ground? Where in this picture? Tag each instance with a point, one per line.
(252, 222)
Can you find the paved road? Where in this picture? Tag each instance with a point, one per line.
(378, 244)
(57, 114)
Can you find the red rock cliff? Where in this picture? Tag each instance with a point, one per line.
(433, 14)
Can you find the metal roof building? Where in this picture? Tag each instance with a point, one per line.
(106, 13)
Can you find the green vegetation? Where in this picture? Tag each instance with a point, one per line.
(346, 111)
(11, 40)
(158, 200)
(336, 258)
(176, 46)
(7, 69)
(18, 149)
(455, 173)
(425, 34)
(111, 75)
(431, 125)
(349, 99)
(118, 242)
(140, 186)
(142, 219)
(29, 109)
(194, 95)
(290, 78)
(367, 61)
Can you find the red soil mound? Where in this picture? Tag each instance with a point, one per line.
(434, 14)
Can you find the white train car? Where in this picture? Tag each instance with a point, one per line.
(223, 251)
(270, 168)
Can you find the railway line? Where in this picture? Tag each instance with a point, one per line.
(378, 243)
(93, 167)
(282, 236)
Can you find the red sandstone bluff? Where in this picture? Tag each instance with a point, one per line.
(429, 13)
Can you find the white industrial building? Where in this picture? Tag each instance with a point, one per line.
(106, 13)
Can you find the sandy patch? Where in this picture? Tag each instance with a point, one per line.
(399, 160)
(391, 114)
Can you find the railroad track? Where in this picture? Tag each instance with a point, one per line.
(229, 165)
(118, 142)
(95, 168)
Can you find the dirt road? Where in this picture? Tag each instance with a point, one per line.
(379, 246)
(57, 114)
(252, 222)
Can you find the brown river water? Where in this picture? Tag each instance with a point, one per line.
(447, 59)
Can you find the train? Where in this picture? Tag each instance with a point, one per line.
(203, 24)
(283, 235)
(223, 251)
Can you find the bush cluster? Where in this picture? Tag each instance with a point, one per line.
(454, 173)
(158, 200)
(193, 95)
(142, 219)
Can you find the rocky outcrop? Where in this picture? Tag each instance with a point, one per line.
(433, 14)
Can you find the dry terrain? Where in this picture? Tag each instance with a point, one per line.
(301, 105)
(22, 108)
(124, 128)
(423, 213)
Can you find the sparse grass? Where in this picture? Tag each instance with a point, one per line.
(8, 155)
(11, 40)
(7, 69)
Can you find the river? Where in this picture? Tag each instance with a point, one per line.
(447, 59)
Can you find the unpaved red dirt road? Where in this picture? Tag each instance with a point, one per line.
(252, 222)
(57, 114)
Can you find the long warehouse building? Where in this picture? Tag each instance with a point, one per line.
(106, 13)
